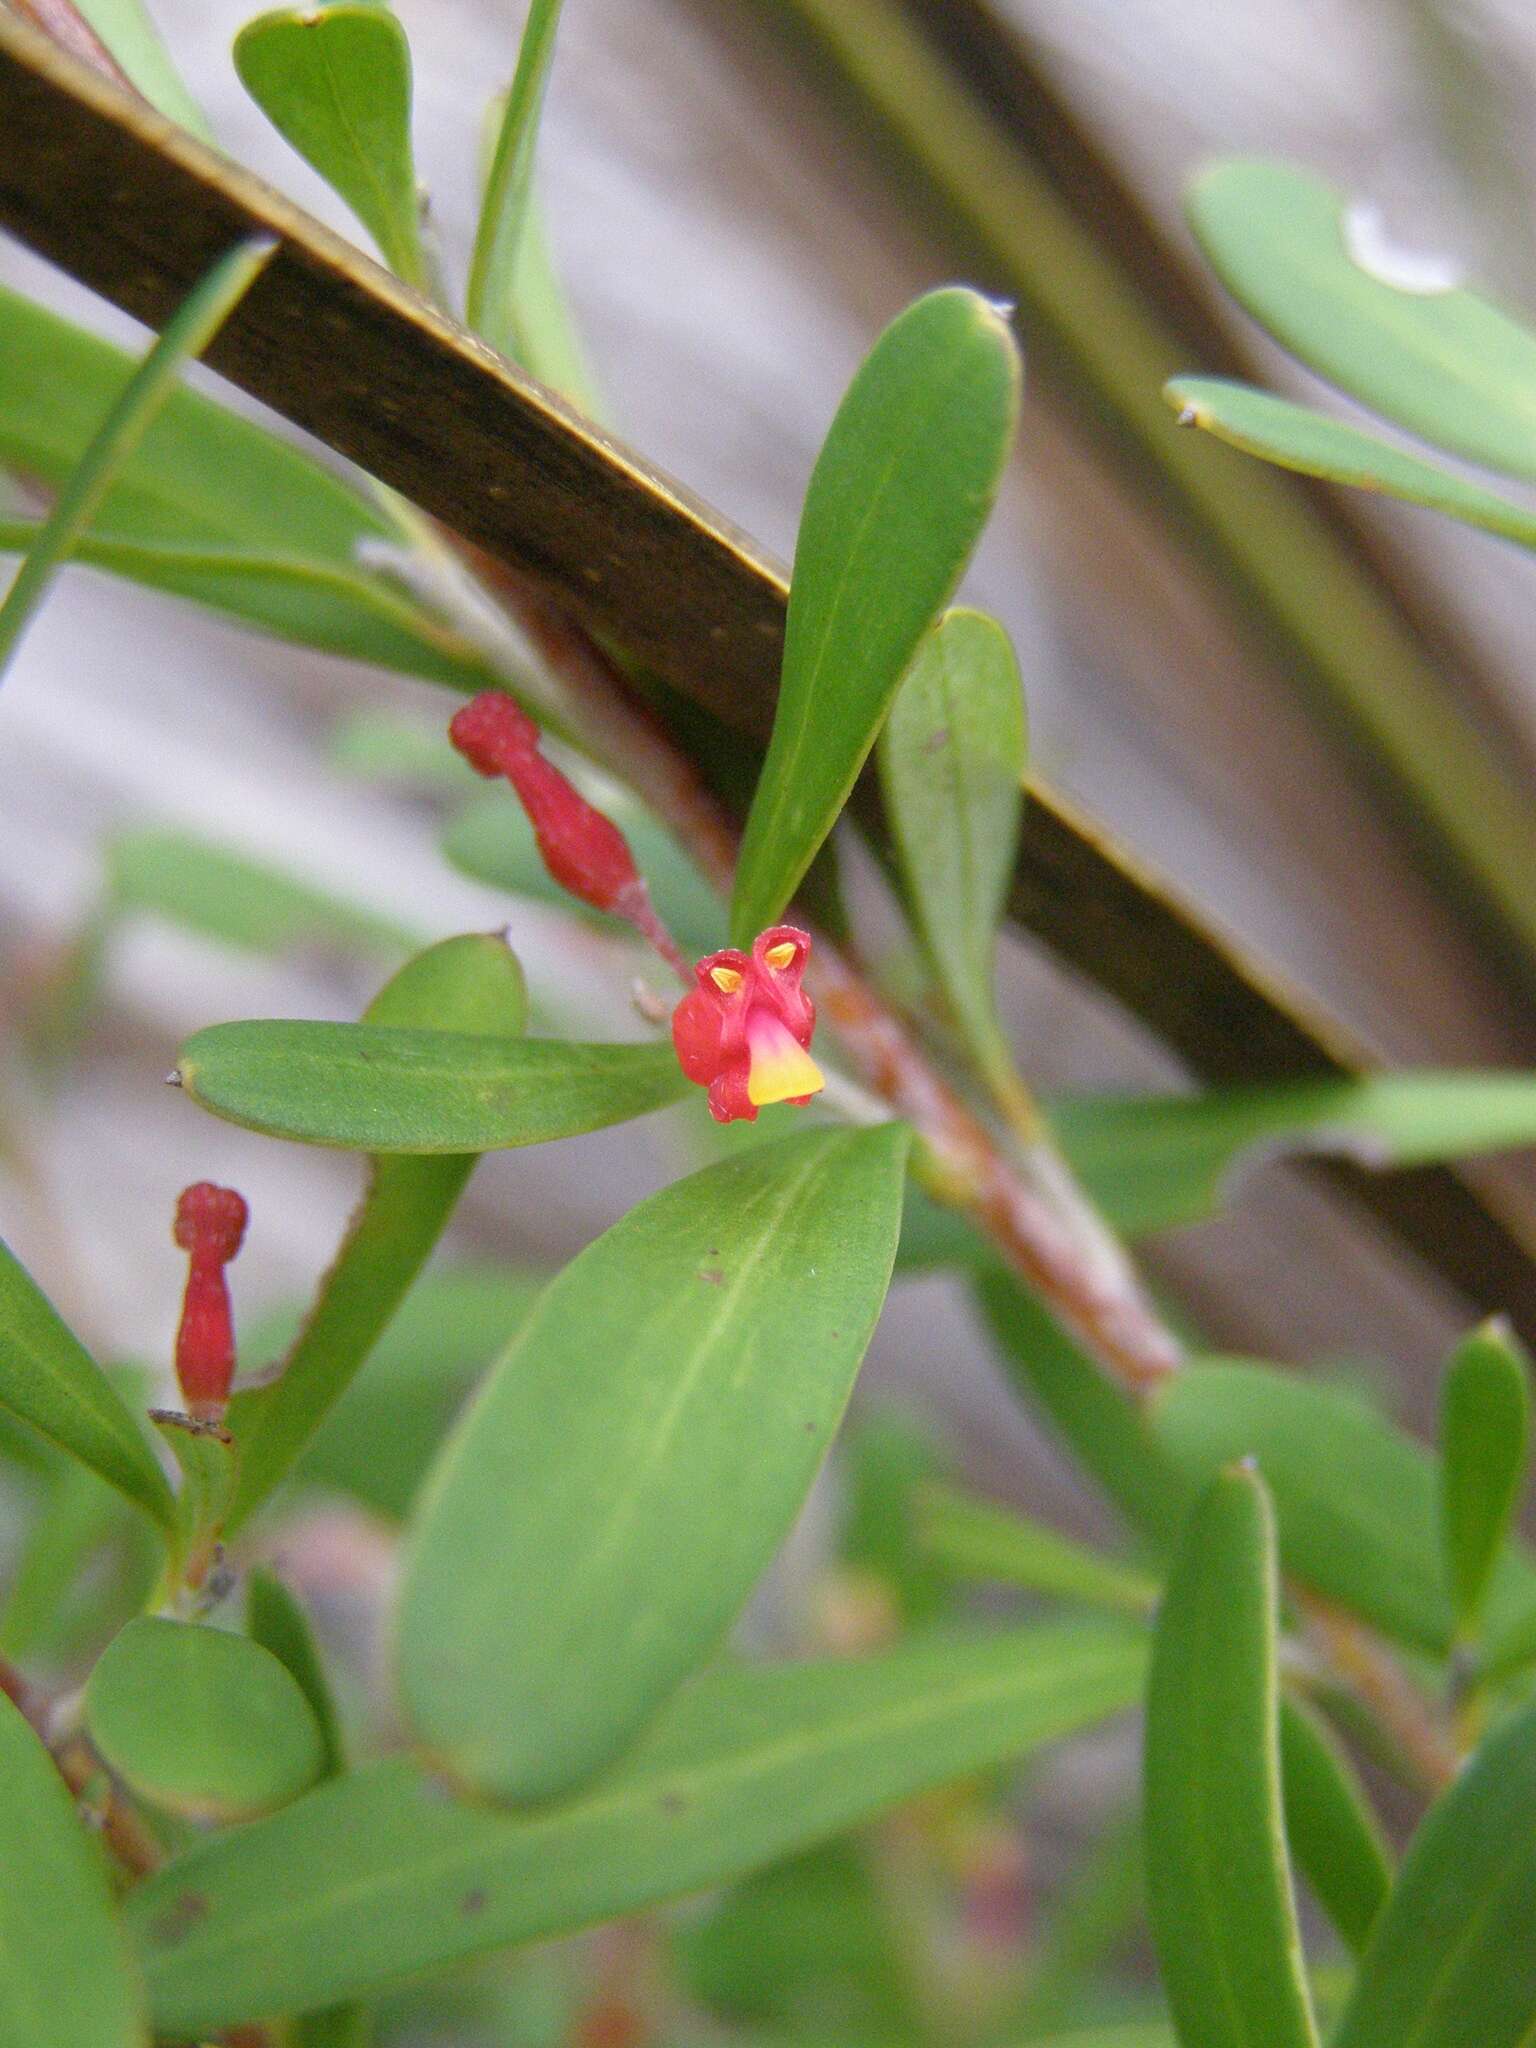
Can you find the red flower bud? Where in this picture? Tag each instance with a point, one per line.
(210, 1227)
(745, 1030)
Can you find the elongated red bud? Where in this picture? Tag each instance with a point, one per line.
(210, 1228)
(584, 851)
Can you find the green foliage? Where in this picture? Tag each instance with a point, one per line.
(1451, 1964)
(953, 757)
(84, 492)
(49, 1380)
(366, 1087)
(202, 1722)
(1333, 1834)
(379, 1875)
(278, 1624)
(976, 1540)
(66, 1975)
(475, 985)
(1219, 1887)
(1441, 362)
(497, 268)
(900, 492)
(125, 27)
(1485, 1427)
(654, 1427)
(335, 81)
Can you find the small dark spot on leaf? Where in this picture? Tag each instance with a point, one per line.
(185, 1913)
(712, 1276)
(936, 741)
(473, 1902)
(672, 1802)
(810, 1429)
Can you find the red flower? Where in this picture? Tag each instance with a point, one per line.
(745, 1030)
(210, 1226)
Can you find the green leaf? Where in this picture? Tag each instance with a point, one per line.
(1156, 1161)
(499, 252)
(379, 1439)
(202, 1722)
(67, 1978)
(212, 507)
(952, 762)
(1452, 1964)
(75, 1518)
(275, 1620)
(883, 1459)
(1443, 363)
(82, 495)
(366, 1088)
(900, 493)
(1485, 1426)
(1104, 1429)
(1218, 1885)
(240, 901)
(47, 1378)
(492, 841)
(1356, 1500)
(380, 1876)
(125, 27)
(475, 985)
(654, 1427)
(1297, 438)
(976, 1540)
(335, 81)
(1334, 1836)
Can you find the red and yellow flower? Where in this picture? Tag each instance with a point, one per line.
(744, 1031)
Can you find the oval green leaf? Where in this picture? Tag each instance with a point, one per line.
(900, 493)
(202, 1722)
(278, 1624)
(335, 81)
(1452, 1963)
(1218, 1883)
(1485, 1427)
(1335, 1837)
(368, 1088)
(1356, 1499)
(473, 984)
(1443, 363)
(1297, 438)
(67, 1976)
(952, 762)
(628, 1470)
(48, 1379)
(381, 1876)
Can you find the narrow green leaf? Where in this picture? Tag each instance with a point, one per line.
(1297, 438)
(240, 901)
(655, 1426)
(1485, 1426)
(952, 762)
(883, 1461)
(47, 1378)
(1218, 1885)
(380, 1876)
(977, 1540)
(900, 493)
(1451, 1963)
(1107, 1432)
(1094, 1911)
(1440, 361)
(202, 1722)
(475, 985)
(77, 1515)
(275, 1620)
(125, 27)
(1335, 1838)
(335, 81)
(196, 321)
(1157, 1161)
(1356, 1499)
(542, 332)
(367, 1088)
(67, 1978)
(500, 238)
(337, 609)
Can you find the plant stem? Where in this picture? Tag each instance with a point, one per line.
(1376, 1678)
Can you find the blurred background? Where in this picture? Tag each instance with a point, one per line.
(735, 222)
